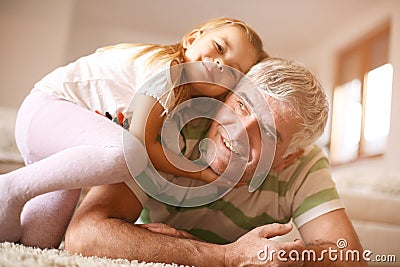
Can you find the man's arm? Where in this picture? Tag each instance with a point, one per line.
(325, 233)
(103, 226)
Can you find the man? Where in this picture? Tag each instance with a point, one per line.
(235, 229)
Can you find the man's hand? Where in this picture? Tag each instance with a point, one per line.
(255, 248)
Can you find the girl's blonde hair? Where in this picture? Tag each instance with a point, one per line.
(162, 54)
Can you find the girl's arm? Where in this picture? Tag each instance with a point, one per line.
(146, 124)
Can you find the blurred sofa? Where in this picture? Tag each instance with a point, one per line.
(372, 200)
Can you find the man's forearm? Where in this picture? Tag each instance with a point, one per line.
(115, 238)
(100, 227)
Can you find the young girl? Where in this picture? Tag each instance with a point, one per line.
(67, 146)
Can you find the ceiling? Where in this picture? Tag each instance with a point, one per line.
(287, 27)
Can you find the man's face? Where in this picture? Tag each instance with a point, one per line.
(247, 127)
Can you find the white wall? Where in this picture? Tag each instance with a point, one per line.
(321, 59)
(38, 36)
(109, 23)
(34, 39)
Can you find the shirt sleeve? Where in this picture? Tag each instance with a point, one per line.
(159, 86)
(137, 191)
(316, 195)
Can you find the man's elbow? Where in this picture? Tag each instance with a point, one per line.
(78, 239)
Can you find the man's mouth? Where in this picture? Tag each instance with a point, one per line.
(228, 144)
(234, 146)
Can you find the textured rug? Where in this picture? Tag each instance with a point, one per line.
(12, 255)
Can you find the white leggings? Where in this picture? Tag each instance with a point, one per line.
(65, 147)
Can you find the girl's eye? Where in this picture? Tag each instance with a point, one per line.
(219, 47)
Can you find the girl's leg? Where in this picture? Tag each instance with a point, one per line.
(45, 218)
(66, 147)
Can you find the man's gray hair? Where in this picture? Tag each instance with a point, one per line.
(291, 83)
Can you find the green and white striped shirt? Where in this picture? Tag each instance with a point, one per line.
(302, 192)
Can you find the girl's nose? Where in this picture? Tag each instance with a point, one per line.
(219, 63)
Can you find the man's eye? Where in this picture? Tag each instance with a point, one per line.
(242, 106)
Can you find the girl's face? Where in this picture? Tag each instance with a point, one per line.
(222, 56)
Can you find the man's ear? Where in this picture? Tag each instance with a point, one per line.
(191, 37)
(290, 159)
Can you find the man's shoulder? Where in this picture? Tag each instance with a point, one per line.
(314, 151)
(312, 160)
(313, 155)
(314, 192)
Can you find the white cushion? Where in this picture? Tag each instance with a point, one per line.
(8, 147)
(370, 194)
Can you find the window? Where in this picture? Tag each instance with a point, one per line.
(362, 99)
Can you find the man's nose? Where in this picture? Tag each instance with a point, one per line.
(243, 128)
(251, 125)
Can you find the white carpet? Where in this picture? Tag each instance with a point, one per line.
(14, 255)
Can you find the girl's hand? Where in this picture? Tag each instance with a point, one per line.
(208, 175)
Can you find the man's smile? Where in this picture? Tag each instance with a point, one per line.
(228, 145)
(225, 139)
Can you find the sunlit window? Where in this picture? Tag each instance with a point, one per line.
(362, 100)
(378, 98)
(346, 122)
